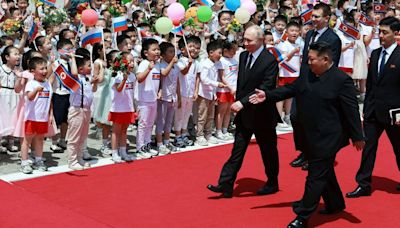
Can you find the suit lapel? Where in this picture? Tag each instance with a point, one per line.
(242, 69)
(389, 62)
(248, 73)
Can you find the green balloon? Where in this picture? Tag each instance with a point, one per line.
(204, 14)
(163, 25)
(185, 3)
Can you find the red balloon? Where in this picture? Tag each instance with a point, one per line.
(89, 17)
(176, 22)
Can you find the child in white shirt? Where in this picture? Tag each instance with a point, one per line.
(37, 111)
(206, 88)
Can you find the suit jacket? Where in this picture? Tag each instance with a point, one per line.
(262, 75)
(327, 112)
(383, 92)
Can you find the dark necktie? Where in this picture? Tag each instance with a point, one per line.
(382, 66)
(314, 36)
(249, 62)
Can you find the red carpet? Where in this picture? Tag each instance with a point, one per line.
(171, 191)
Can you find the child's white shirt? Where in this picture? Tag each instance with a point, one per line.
(38, 108)
(230, 66)
(294, 63)
(209, 78)
(148, 89)
(346, 57)
(169, 83)
(123, 101)
(75, 99)
(187, 82)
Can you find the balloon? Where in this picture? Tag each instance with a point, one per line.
(204, 14)
(250, 6)
(232, 5)
(185, 3)
(89, 17)
(176, 22)
(163, 25)
(176, 11)
(191, 13)
(242, 15)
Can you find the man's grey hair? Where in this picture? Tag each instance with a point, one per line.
(258, 30)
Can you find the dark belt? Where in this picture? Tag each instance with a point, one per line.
(5, 87)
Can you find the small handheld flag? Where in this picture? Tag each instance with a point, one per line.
(71, 83)
(33, 31)
(143, 34)
(288, 67)
(284, 36)
(178, 30)
(365, 20)
(276, 53)
(379, 8)
(119, 24)
(208, 3)
(349, 30)
(91, 37)
(306, 17)
(49, 2)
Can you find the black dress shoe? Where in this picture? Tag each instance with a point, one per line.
(358, 192)
(298, 223)
(305, 166)
(267, 190)
(219, 189)
(299, 161)
(326, 211)
(398, 187)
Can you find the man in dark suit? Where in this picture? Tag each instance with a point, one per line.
(328, 109)
(321, 32)
(383, 94)
(257, 69)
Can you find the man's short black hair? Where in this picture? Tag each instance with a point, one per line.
(392, 22)
(326, 9)
(322, 48)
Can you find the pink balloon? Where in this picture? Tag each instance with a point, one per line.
(89, 17)
(176, 11)
(250, 6)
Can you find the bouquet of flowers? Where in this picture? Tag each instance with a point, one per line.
(120, 64)
(11, 27)
(116, 10)
(54, 16)
(235, 26)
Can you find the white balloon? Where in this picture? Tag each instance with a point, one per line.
(242, 15)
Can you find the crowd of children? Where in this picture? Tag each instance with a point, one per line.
(169, 80)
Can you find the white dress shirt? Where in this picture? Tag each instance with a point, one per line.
(255, 56)
(389, 51)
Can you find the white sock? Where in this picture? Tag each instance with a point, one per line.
(38, 159)
(159, 144)
(122, 151)
(25, 162)
(166, 141)
(115, 152)
(105, 142)
(224, 130)
(219, 132)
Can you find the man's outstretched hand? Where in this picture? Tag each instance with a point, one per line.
(258, 97)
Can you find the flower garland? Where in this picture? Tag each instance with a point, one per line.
(11, 27)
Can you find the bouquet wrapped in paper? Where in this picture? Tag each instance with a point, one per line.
(11, 27)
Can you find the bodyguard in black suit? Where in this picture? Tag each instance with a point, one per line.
(383, 94)
(321, 33)
(328, 109)
(257, 69)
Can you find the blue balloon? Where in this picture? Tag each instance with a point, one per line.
(232, 5)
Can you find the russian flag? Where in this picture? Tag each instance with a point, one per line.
(33, 31)
(288, 67)
(91, 37)
(349, 30)
(306, 16)
(208, 3)
(177, 30)
(49, 2)
(276, 53)
(71, 83)
(119, 24)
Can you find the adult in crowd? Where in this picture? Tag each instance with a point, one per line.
(328, 110)
(382, 95)
(321, 32)
(257, 69)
